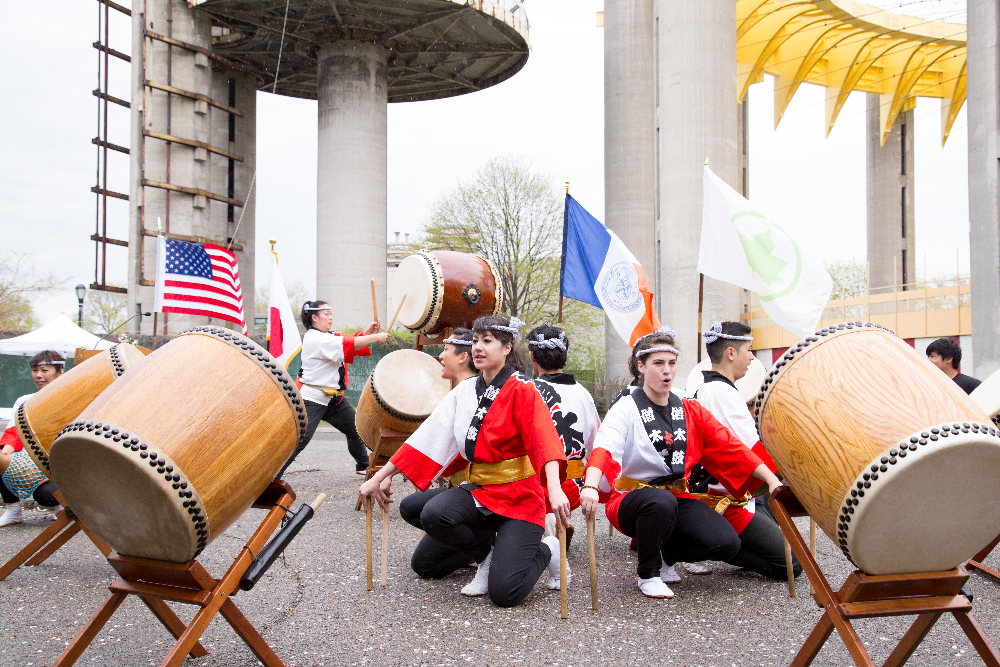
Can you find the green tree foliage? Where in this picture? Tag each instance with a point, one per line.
(297, 295)
(18, 284)
(103, 312)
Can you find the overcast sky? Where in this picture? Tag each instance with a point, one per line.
(551, 112)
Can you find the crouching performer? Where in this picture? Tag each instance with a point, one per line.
(499, 428)
(646, 448)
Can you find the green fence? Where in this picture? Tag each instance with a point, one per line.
(15, 378)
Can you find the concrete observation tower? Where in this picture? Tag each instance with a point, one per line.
(200, 72)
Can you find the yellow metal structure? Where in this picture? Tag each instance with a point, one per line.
(846, 46)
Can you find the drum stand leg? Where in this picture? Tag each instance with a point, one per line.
(157, 582)
(976, 562)
(927, 595)
(66, 525)
(376, 459)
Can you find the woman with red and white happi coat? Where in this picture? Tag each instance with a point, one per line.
(645, 450)
(497, 427)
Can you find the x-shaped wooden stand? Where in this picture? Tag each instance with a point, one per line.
(66, 525)
(156, 582)
(928, 595)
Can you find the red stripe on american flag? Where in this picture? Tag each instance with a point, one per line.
(204, 313)
(202, 288)
(201, 299)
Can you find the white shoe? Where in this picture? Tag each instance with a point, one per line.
(55, 512)
(655, 588)
(550, 525)
(697, 568)
(480, 584)
(553, 581)
(12, 515)
(668, 574)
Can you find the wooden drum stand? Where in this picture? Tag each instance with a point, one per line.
(928, 595)
(156, 582)
(50, 539)
(976, 562)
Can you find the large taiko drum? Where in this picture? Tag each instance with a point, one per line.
(179, 448)
(889, 456)
(445, 289)
(40, 418)
(400, 394)
(748, 385)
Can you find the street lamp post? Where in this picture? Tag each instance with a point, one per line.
(81, 291)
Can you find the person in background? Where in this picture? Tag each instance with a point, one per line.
(21, 479)
(946, 354)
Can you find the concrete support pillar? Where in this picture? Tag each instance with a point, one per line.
(351, 180)
(629, 147)
(891, 230)
(984, 165)
(698, 116)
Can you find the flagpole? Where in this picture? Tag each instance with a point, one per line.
(701, 298)
(272, 242)
(562, 260)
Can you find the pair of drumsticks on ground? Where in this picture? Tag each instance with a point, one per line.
(385, 522)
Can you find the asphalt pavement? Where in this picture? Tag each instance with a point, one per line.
(313, 608)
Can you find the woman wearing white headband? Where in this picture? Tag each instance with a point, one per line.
(498, 428)
(644, 453)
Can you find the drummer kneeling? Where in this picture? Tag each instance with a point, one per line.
(646, 448)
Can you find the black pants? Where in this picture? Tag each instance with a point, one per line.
(43, 495)
(762, 548)
(679, 529)
(519, 557)
(340, 415)
(431, 559)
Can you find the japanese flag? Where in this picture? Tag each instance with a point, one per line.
(283, 340)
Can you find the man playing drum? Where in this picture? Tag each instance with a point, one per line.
(325, 356)
(762, 546)
(573, 411)
(499, 428)
(646, 448)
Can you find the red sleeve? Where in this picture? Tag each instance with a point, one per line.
(349, 350)
(601, 458)
(361, 351)
(723, 454)
(10, 438)
(416, 466)
(458, 464)
(534, 425)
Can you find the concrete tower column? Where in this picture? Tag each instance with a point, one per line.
(698, 116)
(629, 147)
(890, 167)
(351, 179)
(984, 164)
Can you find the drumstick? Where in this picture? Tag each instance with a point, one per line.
(593, 563)
(812, 546)
(385, 547)
(374, 301)
(562, 573)
(319, 501)
(611, 529)
(368, 540)
(791, 571)
(398, 306)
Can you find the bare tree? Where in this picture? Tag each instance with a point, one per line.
(103, 312)
(18, 284)
(513, 217)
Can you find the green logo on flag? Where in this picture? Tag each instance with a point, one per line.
(769, 251)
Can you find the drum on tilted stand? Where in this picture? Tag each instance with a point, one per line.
(445, 289)
(43, 415)
(869, 436)
(168, 457)
(987, 396)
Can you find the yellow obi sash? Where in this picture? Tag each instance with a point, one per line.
(575, 468)
(719, 503)
(327, 391)
(504, 472)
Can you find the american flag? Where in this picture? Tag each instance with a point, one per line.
(198, 279)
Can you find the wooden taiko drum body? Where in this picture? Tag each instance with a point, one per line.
(400, 394)
(987, 396)
(40, 418)
(889, 456)
(445, 289)
(173, 453)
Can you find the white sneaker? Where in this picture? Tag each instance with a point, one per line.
(697, 568)
(480, 584)
(655, 588)
(553, 581)
(12, 515)
(55, 512)
(550, 525)
(668, 574)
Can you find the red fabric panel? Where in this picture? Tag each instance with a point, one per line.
(418, 467)
(776, 354)
(11, 438)
(274, 345)
(738, 518)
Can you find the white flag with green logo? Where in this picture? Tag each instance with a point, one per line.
(741, 245)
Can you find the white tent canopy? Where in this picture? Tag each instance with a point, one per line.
(60, 334)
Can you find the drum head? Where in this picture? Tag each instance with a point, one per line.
(418, 277)
(987, 395)
(748, 385)
(409, 382)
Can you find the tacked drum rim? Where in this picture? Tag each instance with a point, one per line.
(437, 292)
(824, 335)
(185, 496)
(116, 362)
(264, 360)
(498, 294)
(27, 435)
(883, 468)
(388, 410)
